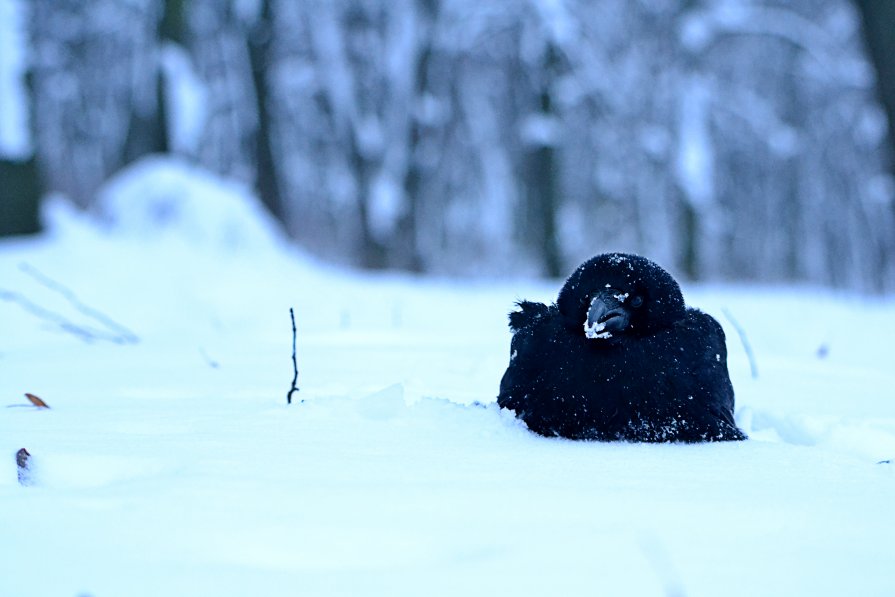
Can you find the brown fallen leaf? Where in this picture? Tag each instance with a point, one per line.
(36, 401)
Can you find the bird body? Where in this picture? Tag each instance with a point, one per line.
(619, 357)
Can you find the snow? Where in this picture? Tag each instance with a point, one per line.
(695, 162)
(186, 98)
(173, 465)
(15, 141)
(165, 197)
(541, 130)
(595, 330)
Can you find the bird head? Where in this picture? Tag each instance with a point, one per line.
(617, 294)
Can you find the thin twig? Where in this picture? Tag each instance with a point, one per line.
(123, 335)
(294, 388)
(114, 332)
(746, 346)
(82, 333)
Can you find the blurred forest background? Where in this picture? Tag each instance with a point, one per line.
(726, 139)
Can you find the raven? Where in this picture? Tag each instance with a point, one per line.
(619, 357)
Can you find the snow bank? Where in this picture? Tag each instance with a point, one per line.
(166, 196)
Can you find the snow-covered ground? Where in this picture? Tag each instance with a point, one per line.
(173, 466)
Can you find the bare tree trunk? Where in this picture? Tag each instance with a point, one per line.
(19, 197)
(878, 19)
(539, 167)
(259, 56)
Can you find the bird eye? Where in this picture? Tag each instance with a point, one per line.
(637, 301)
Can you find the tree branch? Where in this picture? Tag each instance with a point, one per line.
(294, 388)
(82, 333)
(124, 335)
(114, 332)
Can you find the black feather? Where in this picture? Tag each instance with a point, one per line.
(529, 312)
(661, 378)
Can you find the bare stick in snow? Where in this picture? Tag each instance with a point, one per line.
(23, 463)
(294, 388)
(746, 346)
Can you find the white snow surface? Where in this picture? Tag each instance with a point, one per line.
(187, 99)
(173, 466)
(15, 141)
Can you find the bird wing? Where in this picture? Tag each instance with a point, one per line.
(524, 369)
(712, 373)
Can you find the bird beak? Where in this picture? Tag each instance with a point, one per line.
(605, 315)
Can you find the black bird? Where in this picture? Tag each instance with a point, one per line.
(619, 357)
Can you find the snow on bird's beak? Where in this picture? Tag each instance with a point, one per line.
(606, 314)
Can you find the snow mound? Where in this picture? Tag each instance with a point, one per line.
(165, 197)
